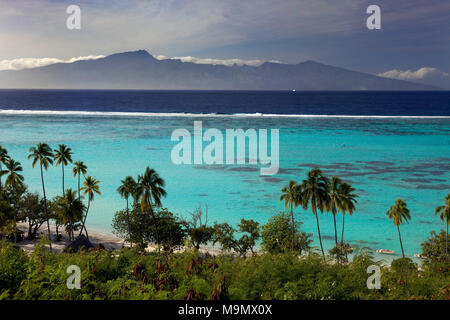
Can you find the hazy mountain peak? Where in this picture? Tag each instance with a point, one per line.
(132, 54)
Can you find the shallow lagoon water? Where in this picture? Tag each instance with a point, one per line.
(383, 158)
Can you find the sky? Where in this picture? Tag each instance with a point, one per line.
(412, 44)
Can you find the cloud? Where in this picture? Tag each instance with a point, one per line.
(27, 63)
(419, 74)
(225, 62)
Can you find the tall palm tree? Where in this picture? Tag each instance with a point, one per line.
(335, 203)
(444, 214)
(71, 209)
(15, 180)
(399, 213)
(291, 195)
(43, 154)
(348, 198)
(62, 156)
(315, 193)
(151, 189)
(90, 187)
(3, 158)
(127, 188)
(79, 169)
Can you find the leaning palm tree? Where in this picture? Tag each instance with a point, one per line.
(90, 187)
(3, 158)
(348, 198)
(291, 197)
(399, 213)
(70, 209)
(444, 214)
(127, 188)
(79, 169)
(335, 203)
(315, 193)
(62, 156)
(15, 180)
(151, 187)
(42, 153)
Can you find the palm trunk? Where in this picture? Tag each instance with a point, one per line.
(293, 227)
(401, 244)
(45, 206)
(155, 225)
(129, 227)
(84, 220)
(318, 230)
(342, 235)
(446, 242)
(78, 186)
(335, 231)
(62, 166)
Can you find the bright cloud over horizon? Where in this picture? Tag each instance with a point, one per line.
(427, 75)
(413, 75)
(29, 63)
(225, 62)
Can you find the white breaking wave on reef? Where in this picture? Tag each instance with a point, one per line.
(212, 115)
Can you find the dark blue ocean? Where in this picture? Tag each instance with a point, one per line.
(231, 102)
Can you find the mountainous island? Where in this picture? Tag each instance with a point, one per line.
(140, 70)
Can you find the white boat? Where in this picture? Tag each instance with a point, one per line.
(385, 251)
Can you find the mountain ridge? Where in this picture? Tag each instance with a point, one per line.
(140, 70)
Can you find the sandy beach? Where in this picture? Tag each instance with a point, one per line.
(108, 240)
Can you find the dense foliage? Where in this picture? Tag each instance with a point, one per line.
(132, 274)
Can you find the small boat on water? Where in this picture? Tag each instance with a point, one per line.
(417, 255)
(385, 251)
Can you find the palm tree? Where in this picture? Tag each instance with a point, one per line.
(90, 187)
(70, 208)
(127, 188)
(399, 213)
(79, 169)
(43, 153)
(3, 158)
(335, 203)
(444, 214)
(315, 193)
(15, 180)
(151, 187)
(292, 197)
(63, 156)
(348, 198)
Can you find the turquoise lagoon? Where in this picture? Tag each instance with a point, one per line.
(383, 158)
